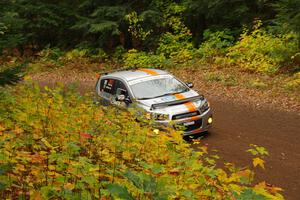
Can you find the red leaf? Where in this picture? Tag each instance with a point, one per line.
(85, 135)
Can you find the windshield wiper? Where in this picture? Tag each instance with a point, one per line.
(145, 98)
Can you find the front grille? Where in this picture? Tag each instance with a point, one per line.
(196, 125)
(185, 115)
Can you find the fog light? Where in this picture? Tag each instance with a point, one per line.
(210, 120)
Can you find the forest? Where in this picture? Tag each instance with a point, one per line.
(259, 36)
(56, 143)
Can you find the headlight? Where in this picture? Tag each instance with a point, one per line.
(204, 107)
(160, 117)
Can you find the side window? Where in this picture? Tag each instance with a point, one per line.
(121, 89)
(108, 86)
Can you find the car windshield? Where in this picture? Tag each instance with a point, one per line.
(158, 87)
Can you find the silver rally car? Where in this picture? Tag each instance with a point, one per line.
(165, 98)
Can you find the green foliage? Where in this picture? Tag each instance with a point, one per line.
(12, 74)
(55, 144)
(257, 150)
(258, 84)
(288, 14)
(135, 27)
(76, 53)
(119, 52)
(260, 51)
(11, 26)
(3, 28)
(293, 84)
(175, 44)
(249, 194)
(215, 44)
(136, 59)
(176, 47)
(50, 54)
(119, 191)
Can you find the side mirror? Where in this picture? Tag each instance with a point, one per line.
(190, 85)
(121, 97)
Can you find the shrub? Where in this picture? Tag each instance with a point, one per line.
(52, 54)
(119, 52)
(258, 84)
(261, 51)
(294, 83)
(59, 145)
(136, 59)
(76, 53)
(215, 44)
(48, 58)
(176, 46)
(98, 55)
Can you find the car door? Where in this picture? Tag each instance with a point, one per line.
(121, 89)
(107, 90)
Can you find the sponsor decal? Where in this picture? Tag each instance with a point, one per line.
(148, 78)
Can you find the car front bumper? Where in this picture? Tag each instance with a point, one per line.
(200, 123)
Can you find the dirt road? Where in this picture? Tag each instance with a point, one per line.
(236, 126)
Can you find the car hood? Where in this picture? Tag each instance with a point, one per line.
(148, 103)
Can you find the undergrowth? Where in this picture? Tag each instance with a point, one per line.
(56, 144)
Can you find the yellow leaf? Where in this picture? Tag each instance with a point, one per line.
(35, 195)
(156, 131)
(43, 152)
(126, 155)
(193, 186)
(18, 130)
(69, 186)
(261, 185)
(46, 143)
(204, 149)
(105, 152)
(274, 189)
(196, 142)
(36, 136)
(51, 167)
(20, 167)
(1, 128)
(27, 78)
(94, 169)
(258, 161)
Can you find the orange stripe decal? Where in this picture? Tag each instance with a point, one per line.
(149, 71)
(179, 96)
(189, 105)
(194, 118)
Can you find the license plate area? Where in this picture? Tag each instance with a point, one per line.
(189, 123)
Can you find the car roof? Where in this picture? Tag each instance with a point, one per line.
(129, 75)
